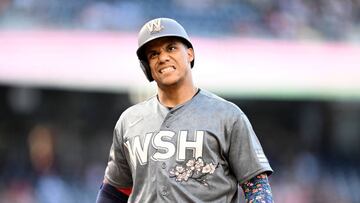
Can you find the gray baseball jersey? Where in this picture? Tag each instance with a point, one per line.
(199, 151)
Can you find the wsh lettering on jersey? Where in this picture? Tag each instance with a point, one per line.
(165, 149)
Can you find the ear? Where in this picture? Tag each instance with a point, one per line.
(190, 53)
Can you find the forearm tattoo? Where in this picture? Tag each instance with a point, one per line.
(258, 190)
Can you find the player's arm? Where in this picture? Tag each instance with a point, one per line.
(117, 170)
(111, 194)
(258, 189)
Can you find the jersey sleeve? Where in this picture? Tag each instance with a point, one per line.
(246, 156)
(118, 171)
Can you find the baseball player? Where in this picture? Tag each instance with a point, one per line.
(184, 144)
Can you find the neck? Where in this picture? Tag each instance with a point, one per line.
(173, 96)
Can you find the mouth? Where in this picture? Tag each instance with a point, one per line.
(167, 69)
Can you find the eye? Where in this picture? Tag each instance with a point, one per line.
(172, 48)
(152, 55)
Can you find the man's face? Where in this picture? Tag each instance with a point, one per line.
(169, 61)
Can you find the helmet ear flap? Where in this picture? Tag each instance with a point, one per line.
(146, 69)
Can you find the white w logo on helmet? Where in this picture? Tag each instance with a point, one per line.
(154, 26)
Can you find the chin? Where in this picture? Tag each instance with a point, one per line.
(166, 78)
(167, 81)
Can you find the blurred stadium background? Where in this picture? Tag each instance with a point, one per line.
(68, 69)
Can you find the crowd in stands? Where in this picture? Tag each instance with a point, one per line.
(335, 20)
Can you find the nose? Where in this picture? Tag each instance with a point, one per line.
(163, 57)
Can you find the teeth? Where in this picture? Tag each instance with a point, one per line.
(167, 69)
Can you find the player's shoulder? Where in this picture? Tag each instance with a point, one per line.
(138, 110)
(218, 102)
(229, 111)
